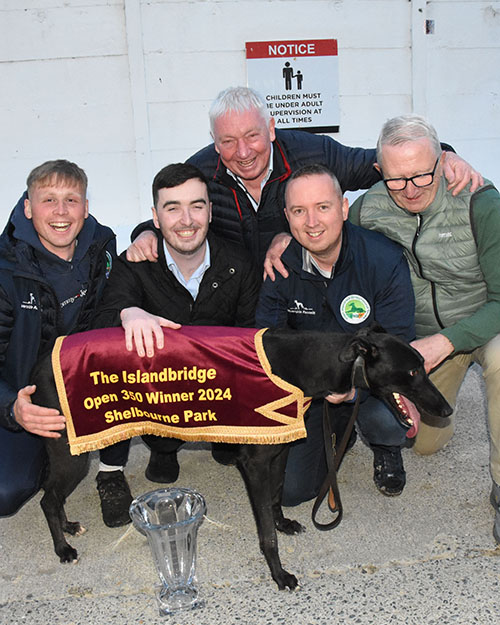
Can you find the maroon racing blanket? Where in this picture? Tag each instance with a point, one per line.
(209, 383)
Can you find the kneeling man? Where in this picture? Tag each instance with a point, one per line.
(198, 280)
(340, 278)
(453, 246)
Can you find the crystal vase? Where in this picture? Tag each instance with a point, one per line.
(170, 518)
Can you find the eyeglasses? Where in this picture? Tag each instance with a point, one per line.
(422, 180)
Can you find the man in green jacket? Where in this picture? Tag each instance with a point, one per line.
(452, 244)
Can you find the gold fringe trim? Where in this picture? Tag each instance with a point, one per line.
(119, 433)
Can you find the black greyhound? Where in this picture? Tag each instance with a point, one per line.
(318, 363)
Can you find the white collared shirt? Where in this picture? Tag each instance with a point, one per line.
(193, 284)
(240, 182)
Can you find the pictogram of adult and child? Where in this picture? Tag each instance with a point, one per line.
(288, 75)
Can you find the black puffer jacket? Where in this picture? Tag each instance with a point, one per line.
(234, 218)
(30, 313)
(227, 295)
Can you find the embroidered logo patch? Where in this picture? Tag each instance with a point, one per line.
(30, 304)
(109, 264)
(354, 309)
(299, 309)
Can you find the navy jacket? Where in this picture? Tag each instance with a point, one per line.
(30, 312)
(233, 217)
(371, 282)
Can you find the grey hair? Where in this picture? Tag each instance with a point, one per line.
(405, 128)
(239, 99)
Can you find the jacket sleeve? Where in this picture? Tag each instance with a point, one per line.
(395, 302)
(272, 305)
(477, 329)
(144, 226)
(249, 293)
(353, 167)
(8, 394)
(123, 290)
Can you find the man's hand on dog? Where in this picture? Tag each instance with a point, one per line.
(339, 398)
(145, 247)
(37, 419)
(434, 349)
(143, 329)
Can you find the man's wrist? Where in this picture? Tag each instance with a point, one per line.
(12, 423)
(447, 344)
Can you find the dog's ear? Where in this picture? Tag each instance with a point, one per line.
(359, 345)
(376, 327)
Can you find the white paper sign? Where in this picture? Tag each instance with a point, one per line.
(298, 80)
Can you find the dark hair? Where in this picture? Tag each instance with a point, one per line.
(174, 175)
(58, 172)
(316, 169)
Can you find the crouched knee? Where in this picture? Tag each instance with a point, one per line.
(430, 439)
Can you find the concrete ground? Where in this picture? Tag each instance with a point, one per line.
(423, 558)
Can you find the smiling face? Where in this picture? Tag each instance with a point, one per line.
(58, 211)
(183, 214)
(316, 213)
(243, 141)
(408, 159)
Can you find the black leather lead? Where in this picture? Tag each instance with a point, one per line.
(333, 459)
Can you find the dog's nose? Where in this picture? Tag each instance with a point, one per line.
(447, 410)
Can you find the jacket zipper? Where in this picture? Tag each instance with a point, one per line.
(433, 285)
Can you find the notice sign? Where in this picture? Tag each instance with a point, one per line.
(298, 80)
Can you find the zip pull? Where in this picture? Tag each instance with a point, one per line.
(419, 224)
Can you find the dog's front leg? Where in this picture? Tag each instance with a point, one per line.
(278, 465)
(255, 467)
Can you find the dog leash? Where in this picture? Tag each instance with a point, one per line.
(334, 457)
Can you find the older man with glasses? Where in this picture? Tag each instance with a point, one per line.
(452, 244)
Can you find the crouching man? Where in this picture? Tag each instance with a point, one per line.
(340, 278)
(54, 261)
(452, 243)
(198, 280)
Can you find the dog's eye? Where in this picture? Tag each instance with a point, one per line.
(413, 372)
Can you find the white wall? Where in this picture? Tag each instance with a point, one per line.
(123, 86)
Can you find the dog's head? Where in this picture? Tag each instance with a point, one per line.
(394, 371)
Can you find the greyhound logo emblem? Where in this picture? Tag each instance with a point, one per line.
(300, 309)
(354, 309)
(30, 304)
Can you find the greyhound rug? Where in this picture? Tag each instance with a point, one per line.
(209, 383)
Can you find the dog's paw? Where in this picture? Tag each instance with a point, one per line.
(287, 526)
(286, 580)
(67, 554)
(73, 528)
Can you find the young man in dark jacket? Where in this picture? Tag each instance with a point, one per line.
(54, 262)
(340, 278)
(198, 280)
